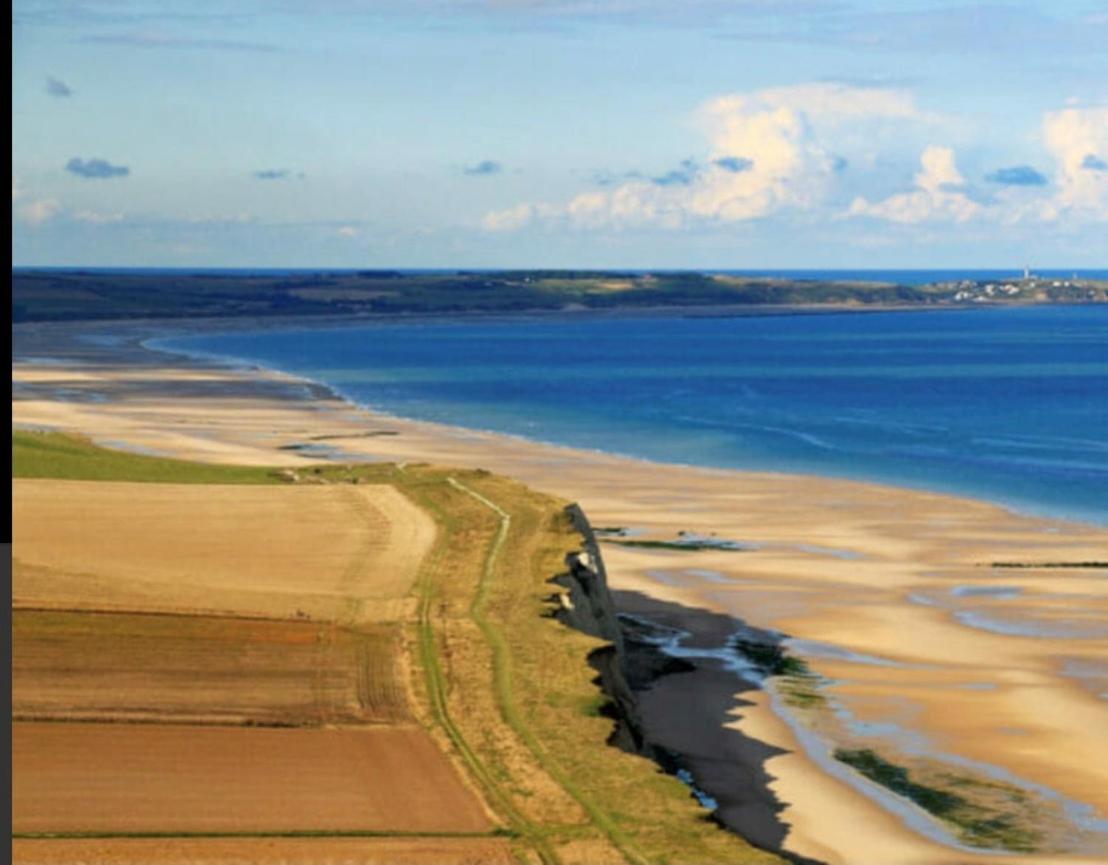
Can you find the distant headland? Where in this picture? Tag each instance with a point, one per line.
(50, 294)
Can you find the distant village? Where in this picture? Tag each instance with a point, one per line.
(1029, 287)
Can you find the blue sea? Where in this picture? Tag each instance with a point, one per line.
(1009, 405)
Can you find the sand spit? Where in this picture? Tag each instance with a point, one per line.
(920, 646)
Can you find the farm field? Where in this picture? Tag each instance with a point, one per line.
(343, 664)
(131, 778)
(236, 653)
(342, 553)
(74, 665)
(308, 850)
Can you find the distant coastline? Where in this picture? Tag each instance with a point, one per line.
(98, 294)
(902, 276)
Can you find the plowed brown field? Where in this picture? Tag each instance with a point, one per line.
(338, 552)
(126, 778)
(264, 851)
(129, 666)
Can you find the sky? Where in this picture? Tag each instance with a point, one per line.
(560, 133)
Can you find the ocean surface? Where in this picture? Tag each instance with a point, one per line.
(1009, 405)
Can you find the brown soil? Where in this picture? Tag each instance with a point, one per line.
(264, 851)
(128, 666)
(125, 778)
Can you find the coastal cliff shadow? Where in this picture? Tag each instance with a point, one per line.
(674, 677)
(686, 672)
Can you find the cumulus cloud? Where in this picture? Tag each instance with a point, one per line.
(824, 100)
(767, 151)
(1074, 137)
(778, 152)
(512, 218)
(483, 168)
(1017, 175)
(57, 87)
(938, 195)
(1077, 138)
(95, 169)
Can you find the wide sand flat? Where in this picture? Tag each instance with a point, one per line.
(1005, 667)
(346, 553)
(160, 778)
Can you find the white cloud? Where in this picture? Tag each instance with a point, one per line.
(823, 101)
(1077, 138)
(348, 231)
(510, 219)
(939, 194)
(778, 151)
(780, 136)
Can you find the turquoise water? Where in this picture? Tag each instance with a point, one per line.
(1004, 404)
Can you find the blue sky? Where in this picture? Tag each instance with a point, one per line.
(560, 133)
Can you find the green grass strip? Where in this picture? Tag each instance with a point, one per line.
(502, 678)
(437, 689)
(69, 457)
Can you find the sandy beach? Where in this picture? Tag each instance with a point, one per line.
(920, 646)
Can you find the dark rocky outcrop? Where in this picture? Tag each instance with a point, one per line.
(587, 606)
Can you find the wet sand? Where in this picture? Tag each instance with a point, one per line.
(921, 645)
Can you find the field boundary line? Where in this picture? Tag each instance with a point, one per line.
(174, 614)
(502, 679)
(229, 723)
(276, 833)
